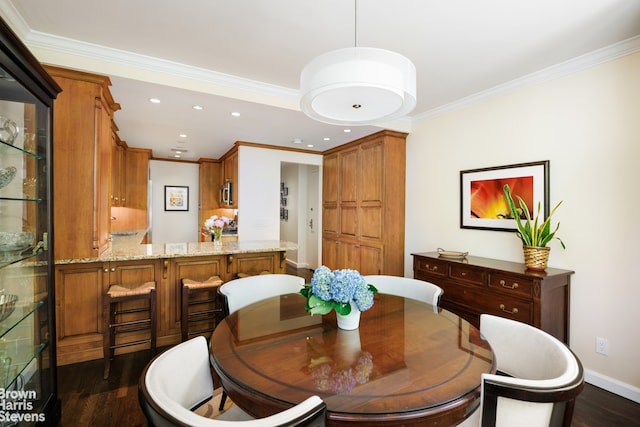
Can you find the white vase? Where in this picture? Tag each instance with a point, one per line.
(351, 321)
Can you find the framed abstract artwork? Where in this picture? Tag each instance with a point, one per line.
(482, 201)
(176, 198)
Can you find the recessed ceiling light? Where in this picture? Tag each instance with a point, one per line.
(309, 145)
(177, 156)
(235, 114)
(297, 141)
(182, 135)
(347, 130)
(327, 138)
(178, 152)
(154, 100)
(198, 107)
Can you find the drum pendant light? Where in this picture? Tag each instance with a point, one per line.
(358, 86)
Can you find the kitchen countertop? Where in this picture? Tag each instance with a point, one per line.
(127, 246)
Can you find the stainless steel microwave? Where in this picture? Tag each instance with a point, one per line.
(226, 194)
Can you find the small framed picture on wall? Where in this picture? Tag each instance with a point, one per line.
(176, 198)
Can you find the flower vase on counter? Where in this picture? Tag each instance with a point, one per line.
(216, 236)
(214, 225)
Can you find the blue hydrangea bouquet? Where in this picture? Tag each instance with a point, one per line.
(335, 290)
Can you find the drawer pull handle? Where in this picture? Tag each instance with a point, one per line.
(464, 273)
(512, 311)
(504, 285)
(432, 268)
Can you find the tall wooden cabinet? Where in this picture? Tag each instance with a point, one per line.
(363, 204)
(28, 378)
(83, 130)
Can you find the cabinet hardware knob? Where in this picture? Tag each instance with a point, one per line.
(113, 269)
(106, 270)
(464, 273)
(512, 311)
(504, 285)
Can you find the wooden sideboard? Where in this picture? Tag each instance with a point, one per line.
(476, 285)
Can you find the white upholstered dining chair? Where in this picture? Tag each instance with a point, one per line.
(538, 380)
(179, 380)
(407, 287)
(238, 293)
(241, 292)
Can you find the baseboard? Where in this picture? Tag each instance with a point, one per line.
(614, 386)
(295, 264)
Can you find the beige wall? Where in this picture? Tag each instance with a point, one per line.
(588, 125)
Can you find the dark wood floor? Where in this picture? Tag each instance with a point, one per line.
(88, 400)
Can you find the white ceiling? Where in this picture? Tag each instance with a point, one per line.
(246, 56)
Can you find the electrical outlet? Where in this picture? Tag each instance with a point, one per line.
(602, 346)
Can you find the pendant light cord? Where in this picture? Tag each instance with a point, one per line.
(355, 22)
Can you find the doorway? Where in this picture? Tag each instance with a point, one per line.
(299, 212)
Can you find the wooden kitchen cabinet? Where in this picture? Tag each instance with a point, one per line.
(118, 173)
(79, 291)
(136, 162)
(363, 204)
(80, 287)
(210, 175)
(82, 160)
(194, 268)
(230, 174)
(476, 285)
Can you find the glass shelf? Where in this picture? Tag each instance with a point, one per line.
(21, 312)
(4, 145)
(18, 199)
(7, 258)
(14, 361)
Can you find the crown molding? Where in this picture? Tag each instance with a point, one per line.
(99, 53)
(606, 54)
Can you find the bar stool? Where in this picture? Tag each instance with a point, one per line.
(213, 315)
(112, 325)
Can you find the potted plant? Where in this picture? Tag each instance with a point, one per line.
(344, 291)
(535, 233)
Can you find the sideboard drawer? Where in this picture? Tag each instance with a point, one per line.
(510, 285)
(510, 308)
(467, 274)
(431, 266)
(483, 302)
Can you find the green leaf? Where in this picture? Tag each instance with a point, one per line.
(530, 231)
(318, 306)
(342, 308)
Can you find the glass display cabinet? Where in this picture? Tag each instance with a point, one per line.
(28, 380)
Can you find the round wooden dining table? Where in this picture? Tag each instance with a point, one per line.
(408, 363)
